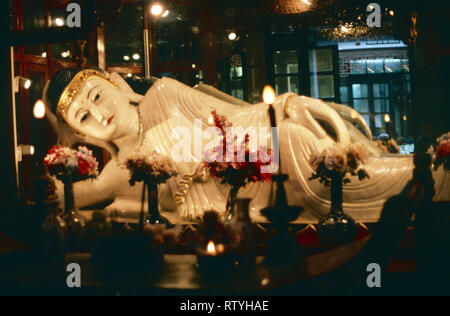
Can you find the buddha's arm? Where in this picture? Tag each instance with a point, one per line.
(95, 192)
(306, 111)
(352, 116)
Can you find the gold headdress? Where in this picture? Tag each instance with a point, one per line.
(71, 91)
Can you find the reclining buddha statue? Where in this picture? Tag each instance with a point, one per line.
(137, 115)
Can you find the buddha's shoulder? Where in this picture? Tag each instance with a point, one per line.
(168, 83)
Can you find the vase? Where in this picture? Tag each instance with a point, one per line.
(337, 228)
(74, 220)
(53, 233)
(230, 208)
(154, 217)
(243, 234)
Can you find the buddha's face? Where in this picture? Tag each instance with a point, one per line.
(101, 110)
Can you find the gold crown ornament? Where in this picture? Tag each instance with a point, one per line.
(74, 87)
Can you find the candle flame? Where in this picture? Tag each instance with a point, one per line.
(211, 248)
(387, 118)
(269, 95)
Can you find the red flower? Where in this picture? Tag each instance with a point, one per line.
(443, 150)
(83, 167)
(64, 161)
(236, 173)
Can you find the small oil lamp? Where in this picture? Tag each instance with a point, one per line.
(211, 249)
(214, 256)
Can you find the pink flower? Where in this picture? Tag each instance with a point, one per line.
(152, 167)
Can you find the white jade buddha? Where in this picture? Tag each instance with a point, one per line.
(105, 111)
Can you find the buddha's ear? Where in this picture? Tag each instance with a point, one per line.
(120, 82)
(123, 85)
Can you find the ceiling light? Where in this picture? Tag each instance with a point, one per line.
(59, 22)
(27, 84)
(21, 81)
(232, 36)
(344, 29)
(156, 9)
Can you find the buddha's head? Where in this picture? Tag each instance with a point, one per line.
(92, 105)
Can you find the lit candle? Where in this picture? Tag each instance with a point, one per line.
(269, 97)
(211, 249)
(389, 126)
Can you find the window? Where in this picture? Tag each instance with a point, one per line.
(361, 100)
(321, 73)
(232, 76)
(124, 38)
(286, 71)
(33, 18)
(372, 62)
(178, 37)
(381, 103)
(344, 95)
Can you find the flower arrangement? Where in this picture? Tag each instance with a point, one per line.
(342, 160)
(235, 173)
(331, 167)
(441, 152)
(154, 167)
(388, 145)
(63, 162)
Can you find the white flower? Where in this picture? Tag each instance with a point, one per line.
(359, 152)
(336, 158)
